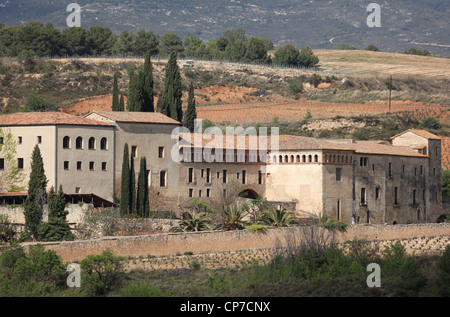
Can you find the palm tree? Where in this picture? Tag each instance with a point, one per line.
(277, 217)
(192, 222)
(234, 219)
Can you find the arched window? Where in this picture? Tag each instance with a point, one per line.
(309, 158)
(274, 158)
(91, 143)
(298, 158)
(316, 158)
(325, 158)
(66, 142)
(286, 159)
(292, 158)
(79, 143)
(281, 159)
(104, 144)
(304, 158)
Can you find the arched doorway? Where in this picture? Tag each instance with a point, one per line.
(248, 193)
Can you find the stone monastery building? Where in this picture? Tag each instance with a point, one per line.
(397, 181)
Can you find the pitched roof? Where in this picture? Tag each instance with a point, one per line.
(136, 117)
(423, 133)
(298, 143)
(46, 118)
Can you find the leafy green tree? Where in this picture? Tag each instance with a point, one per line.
(148, 86)
(124, 44)
(76, 41)
(115, 96)
(191, 113)
(26, 57)
(372, 48)
(256, 50)
(287, 55)
(125, 182)
(37, 196)
(101, 40)
(36, 103)
(431, 123)
(194, 47)
(170, 42)
(307, 58)
(142, 203)
(416, 51)
(236, 51)
(173, 90)
(145, 42)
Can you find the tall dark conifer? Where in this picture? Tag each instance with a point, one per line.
(191, 113)
(173, 90)
(125, 184)
(37, 195)
(115, 96)
(121, 103)
(142, 201)
(148, 94)
(132, 186)
(133, 92)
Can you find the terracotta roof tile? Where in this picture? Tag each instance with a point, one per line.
(136, 117)
(46, 118)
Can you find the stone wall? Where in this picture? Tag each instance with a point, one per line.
(76, 213)
(223, 241)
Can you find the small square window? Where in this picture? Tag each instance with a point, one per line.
(77, 190)
(66, 165)
(191, 192)
(39, 139)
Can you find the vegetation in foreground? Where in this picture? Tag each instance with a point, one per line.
(313, 267)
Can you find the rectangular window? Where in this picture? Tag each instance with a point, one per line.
(91, 166)
(218, 174)
(415, 171)
(19, 140)
(191, 192)
(39, 139)
(244, 177)
(66, 165)
(390, 170)
(404, 168)
(104, 166)
(162, 179)
(260, 180)
(20, 163)
(191, 175)
(396, 196)
(208, 175)
(2, 163)
(414, 198)
(208, 192)
(77, 190)
(1, 140)
(363, 196)
(200, 193)
(224, 176)
(161, 152)
(79, 165)
(134, 151)
(338, 174)
(421, 169)
(377, 192)
(203, 173)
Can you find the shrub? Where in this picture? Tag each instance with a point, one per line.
(101, 272)
(431, 123)
(55, 230)
(389, 124)
(35, 273)
(143, 289)
(443, 281)
(295, 86)
(38, 104)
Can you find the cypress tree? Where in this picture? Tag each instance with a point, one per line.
(115, 97)
(143, 205)
(173, 90)
(57, 204)
(34, 204)
(132, 186)
(191, 112)
(147, 85)
(125, 184)
(133, 92)
(121, 103)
